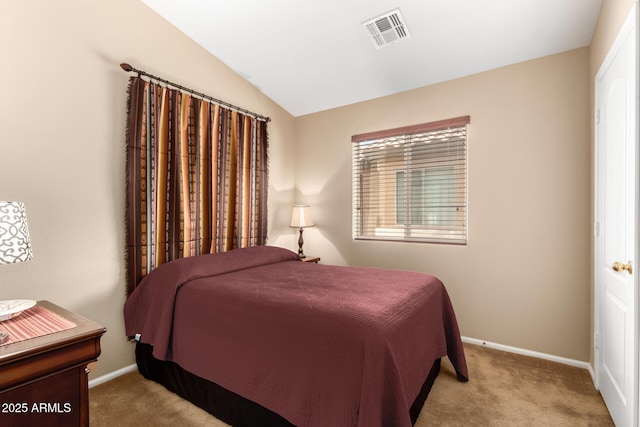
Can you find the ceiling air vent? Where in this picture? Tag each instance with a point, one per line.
(386, 29)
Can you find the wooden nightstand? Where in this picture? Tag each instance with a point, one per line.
(44, 380)
(314, 259)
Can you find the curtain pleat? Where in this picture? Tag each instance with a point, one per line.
(136, 206)
(196, 178)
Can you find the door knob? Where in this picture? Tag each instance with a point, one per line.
(618, 266)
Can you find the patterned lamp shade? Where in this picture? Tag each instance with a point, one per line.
(14, 233)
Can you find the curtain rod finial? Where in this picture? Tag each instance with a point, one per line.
(126, 66)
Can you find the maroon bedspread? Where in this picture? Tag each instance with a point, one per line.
(320, 345)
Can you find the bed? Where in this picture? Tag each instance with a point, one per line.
(257, 337)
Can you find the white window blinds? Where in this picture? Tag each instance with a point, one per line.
(410, 183)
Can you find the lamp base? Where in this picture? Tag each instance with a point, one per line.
(300, 242)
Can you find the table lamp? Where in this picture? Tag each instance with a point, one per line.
(15, 246)
(301, 218)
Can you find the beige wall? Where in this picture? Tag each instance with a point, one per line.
(523, 278)
(62, 145)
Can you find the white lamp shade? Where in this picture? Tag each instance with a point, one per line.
(301, 217)
(15, 245)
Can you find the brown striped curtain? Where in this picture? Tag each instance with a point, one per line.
(196, 178)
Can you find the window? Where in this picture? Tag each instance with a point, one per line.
(410, 183)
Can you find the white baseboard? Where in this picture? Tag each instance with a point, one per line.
(112, 375)
(524, 352)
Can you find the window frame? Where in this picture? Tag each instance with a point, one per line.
(401, 141)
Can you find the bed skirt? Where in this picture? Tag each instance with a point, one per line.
(227, 406)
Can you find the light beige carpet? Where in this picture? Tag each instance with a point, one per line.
(504, 390)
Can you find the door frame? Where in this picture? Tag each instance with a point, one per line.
(631, 22)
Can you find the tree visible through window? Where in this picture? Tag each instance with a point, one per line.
(429, 206)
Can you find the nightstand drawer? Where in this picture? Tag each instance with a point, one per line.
(50, 401)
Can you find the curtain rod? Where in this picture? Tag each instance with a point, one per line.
(128, 68)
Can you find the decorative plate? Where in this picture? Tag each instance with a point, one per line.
(11, 308)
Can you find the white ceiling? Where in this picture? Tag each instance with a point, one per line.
(312, 56)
